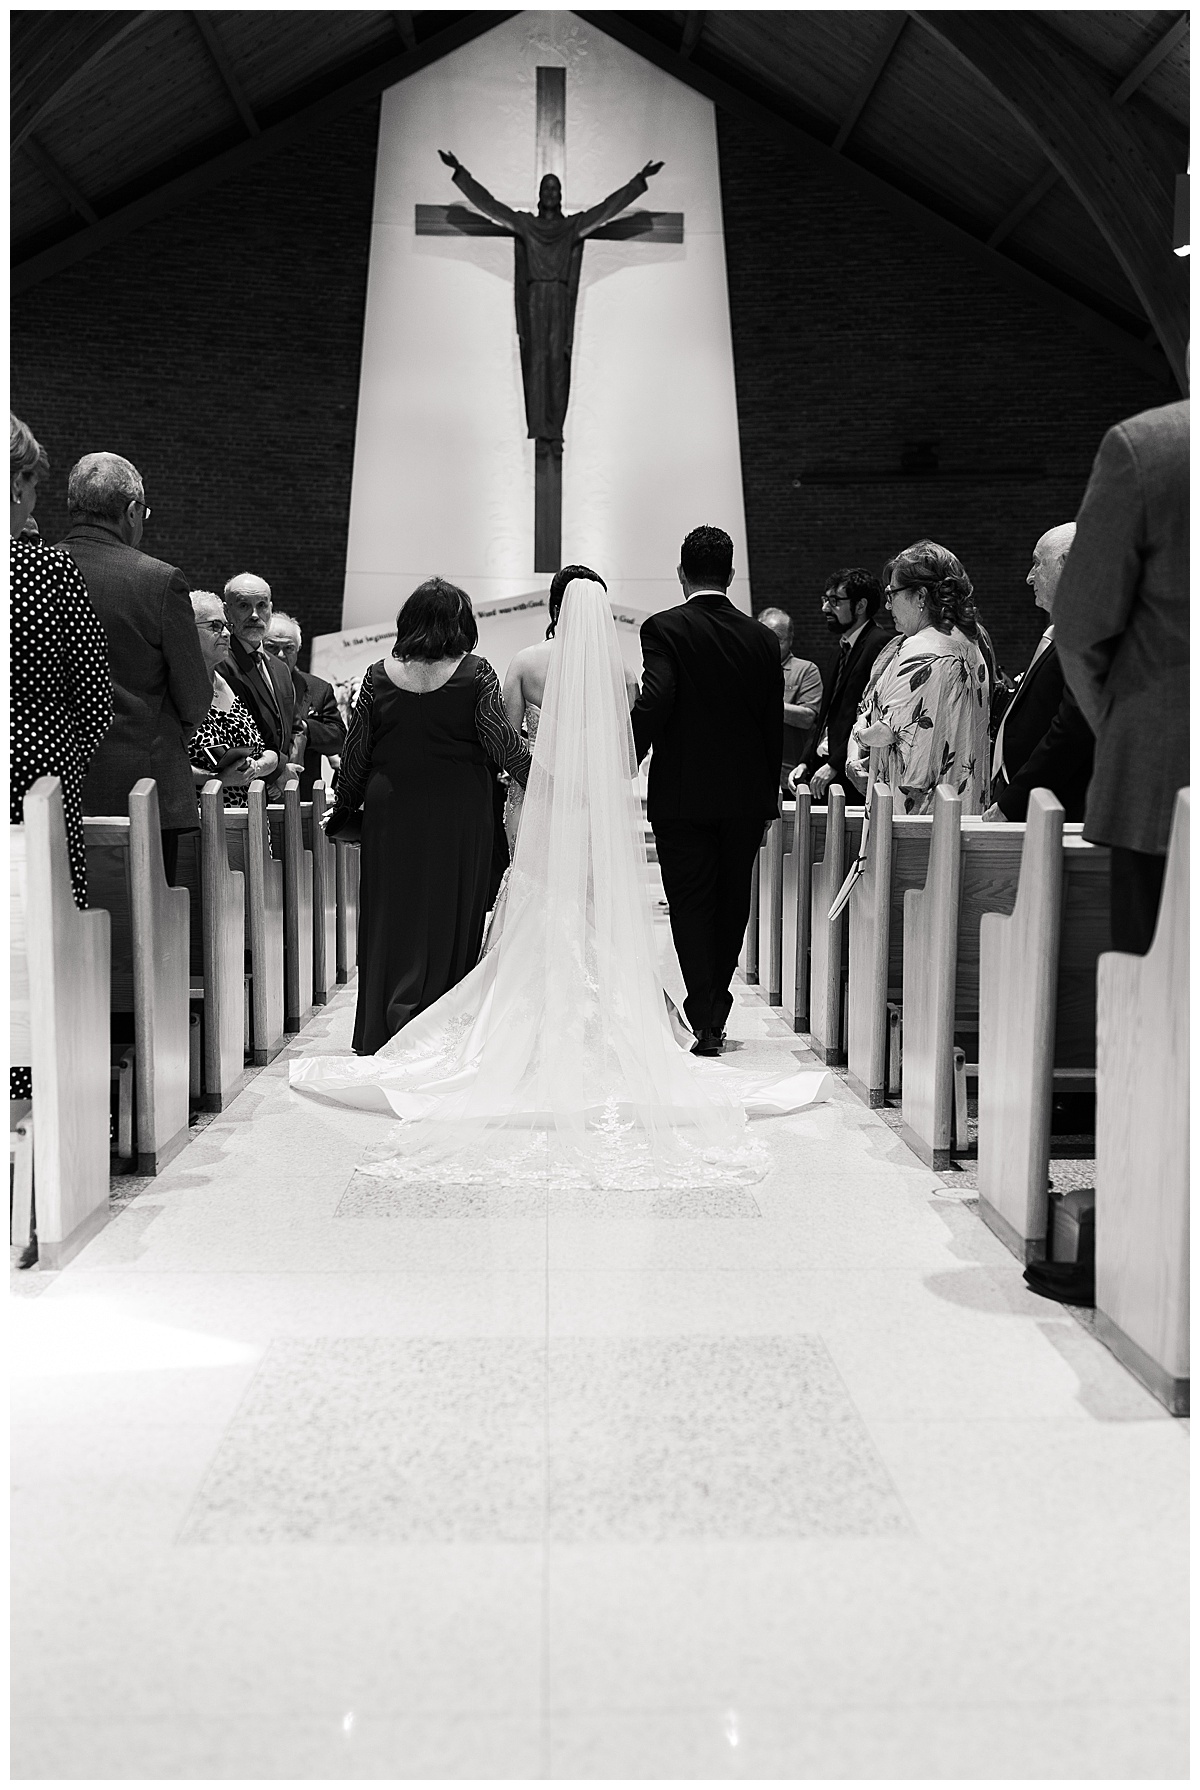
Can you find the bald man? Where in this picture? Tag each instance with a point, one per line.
(1043, 742)
(801, 693)
(263, 682)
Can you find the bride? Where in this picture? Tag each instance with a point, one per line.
(555, 1056)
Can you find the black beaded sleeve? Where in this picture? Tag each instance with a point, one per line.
(356, 753)
(497, 735)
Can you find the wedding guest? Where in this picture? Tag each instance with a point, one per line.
(428, 724)
(262, 681)
(1122, 624)
(228, 727)
(316, 702)
(801, 692)
(60, 691)
(927, 710)
(160, 686)
(1043, 741)
(849, 607)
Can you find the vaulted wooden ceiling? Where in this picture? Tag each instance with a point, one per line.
(1044, 144)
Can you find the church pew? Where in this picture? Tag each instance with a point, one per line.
(324, 896)
(1142, 1091)
(796, 907)
(972, 870)
(838, 830)
(149, 967)
(1037, 1017)
(287, 843)
(248, 837)
(770, 914)
(223, 928)
(897, 860)
(347, 858)
(60, 973)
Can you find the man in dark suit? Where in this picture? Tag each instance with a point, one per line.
(316, 704)
(1044, 741)
(711, 705)
(851, 602)
(263, 682)
(161, 690)
(1122, 628)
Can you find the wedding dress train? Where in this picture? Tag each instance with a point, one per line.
(555, 1056)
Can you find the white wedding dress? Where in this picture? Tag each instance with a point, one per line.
(555, 1057)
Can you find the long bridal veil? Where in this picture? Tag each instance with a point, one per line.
(556, 1055)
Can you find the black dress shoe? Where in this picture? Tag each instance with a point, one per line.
(709, 1044)
(1068, 1283)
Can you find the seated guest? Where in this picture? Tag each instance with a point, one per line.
(428, 726)
(851, 602)
(60, 692)
(229, 728)
(1043, 742)
(262, 681)
(160, 686)
(801, 692)
(927, 710)
(316, 702)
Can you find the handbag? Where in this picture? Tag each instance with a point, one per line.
(345, 824)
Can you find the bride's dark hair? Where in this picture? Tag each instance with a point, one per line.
(558, 587)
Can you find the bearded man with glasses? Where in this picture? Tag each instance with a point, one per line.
(850, 605)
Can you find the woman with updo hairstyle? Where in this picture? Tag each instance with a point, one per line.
(428, 724)
(926, 709)
(525, 683)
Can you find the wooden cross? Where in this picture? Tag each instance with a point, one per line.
(631, 226)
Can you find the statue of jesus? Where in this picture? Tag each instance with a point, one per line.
(549, 255)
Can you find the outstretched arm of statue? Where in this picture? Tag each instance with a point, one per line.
(587, 221)
(479, 196)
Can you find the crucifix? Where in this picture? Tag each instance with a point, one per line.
(548, 256)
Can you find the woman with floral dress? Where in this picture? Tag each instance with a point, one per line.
(927, 709)
(228, 727)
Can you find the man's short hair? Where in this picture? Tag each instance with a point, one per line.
(25, 452)
(859, 583)
(103, 486)
(706, 557)
(230, 582)
(770, 616)
(281, 615)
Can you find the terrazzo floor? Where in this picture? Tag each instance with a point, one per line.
(315, 1479)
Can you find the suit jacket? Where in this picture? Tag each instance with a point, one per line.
(1121, 625)
(1047, 742)
(276, 718)
(316, 705)
(712, 707)
(843, 693)
(161, 690)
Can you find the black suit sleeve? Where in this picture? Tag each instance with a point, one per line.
(326, 729)
(356, 759)
(652, 710)
(187, 680)
(1061, 761)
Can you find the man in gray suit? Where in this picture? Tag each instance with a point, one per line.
(1121, 625)
(161, 690)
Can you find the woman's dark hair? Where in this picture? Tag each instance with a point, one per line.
(940, 574)
(435, 623)
(859, 583)
(558, 589)
(706, 557)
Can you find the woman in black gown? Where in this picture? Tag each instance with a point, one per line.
(426, 724)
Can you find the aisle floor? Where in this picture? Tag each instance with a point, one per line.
(312, 1481)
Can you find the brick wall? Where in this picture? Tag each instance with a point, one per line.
(853, 334)
(218, 348)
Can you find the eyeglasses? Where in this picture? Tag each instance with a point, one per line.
(144, 507)
(829, 602)
(279, 647)
(215, 627)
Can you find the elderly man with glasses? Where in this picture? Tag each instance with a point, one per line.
(316, 702)
(160, 685)
(850, 605)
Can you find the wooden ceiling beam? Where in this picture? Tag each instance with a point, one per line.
(295, 128)
(224, 68)
(767, 114)
(46, 165)
(693, 25)
(407, 29)
(1121, 169)
(66, 57)
(1129, 85)
(871, 79)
